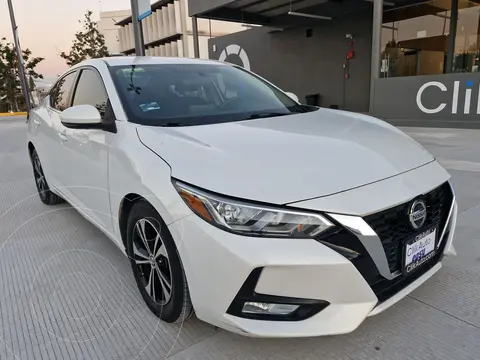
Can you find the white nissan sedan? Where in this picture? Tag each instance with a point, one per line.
(231, 199)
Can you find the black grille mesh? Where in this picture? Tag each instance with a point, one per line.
(393, 226)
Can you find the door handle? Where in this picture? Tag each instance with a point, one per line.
(62, 137)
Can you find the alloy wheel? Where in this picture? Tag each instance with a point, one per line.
(40, 178)
(151, 258)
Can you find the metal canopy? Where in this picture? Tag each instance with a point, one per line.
(276, 12)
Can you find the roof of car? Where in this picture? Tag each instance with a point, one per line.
(146, 60)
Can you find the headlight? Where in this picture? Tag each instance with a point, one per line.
(250, 219)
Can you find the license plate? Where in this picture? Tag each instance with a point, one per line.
(419, 250)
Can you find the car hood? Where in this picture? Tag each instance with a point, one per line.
(286, 159)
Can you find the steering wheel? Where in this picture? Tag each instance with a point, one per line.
(230, 102)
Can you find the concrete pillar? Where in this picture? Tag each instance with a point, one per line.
(174, 49)
(154, 26)
(190, 51)
(150, 28)
(130, 30)
(130, 44)
(376, 48)
(144, 29)
(203, 45)
(147, 33)
(159, 24)
(120, 38)
(184, 20)
(165, 26)
(126, 37)
(178, 18)
(163, 50)
(168, 49)
(451, 37)
(132, 37)
(180, 48)
(151, 34)
(157, 51)
(196, 48)
(171, 19)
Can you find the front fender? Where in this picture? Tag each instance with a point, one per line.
(135, 169)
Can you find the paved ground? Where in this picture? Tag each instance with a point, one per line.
(66, 292)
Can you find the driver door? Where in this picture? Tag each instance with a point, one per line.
(87, 149)
(54, 161)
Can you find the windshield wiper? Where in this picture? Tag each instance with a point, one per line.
(172, 124)
(267, 115)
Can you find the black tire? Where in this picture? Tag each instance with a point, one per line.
(176, 307)
(44, 192)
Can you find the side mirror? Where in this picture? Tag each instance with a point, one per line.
(81, 116)
(293, 97)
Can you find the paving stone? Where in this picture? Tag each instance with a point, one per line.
(67, 292)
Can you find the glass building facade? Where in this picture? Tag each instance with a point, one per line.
(428, 39)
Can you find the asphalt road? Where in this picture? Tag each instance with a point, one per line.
(66, 292)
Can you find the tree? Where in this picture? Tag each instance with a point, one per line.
(88, 44)
(10, 85)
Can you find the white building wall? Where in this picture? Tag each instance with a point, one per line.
(106, 26)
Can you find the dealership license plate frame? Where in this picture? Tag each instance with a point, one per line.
(417, 238)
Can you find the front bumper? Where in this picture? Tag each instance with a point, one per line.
(217, 264)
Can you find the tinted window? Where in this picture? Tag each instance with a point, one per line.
(61, 93)
(196, 94)
(91, 91)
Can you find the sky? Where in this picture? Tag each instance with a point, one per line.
(47, 27)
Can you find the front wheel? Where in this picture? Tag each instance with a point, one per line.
(46, 195)
(156, 265)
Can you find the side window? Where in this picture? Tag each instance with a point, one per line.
(52, 93)
(91, 91)
(60, 94)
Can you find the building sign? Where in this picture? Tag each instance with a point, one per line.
(453, 104)
(236, 55)
(434, 97)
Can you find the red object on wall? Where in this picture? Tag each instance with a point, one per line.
(350, 54)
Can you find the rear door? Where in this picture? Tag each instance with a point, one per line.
(86, 152)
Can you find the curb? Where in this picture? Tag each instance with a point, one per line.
(23, 113)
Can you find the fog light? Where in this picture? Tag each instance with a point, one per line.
(268, 309)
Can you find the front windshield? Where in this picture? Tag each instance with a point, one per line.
(197, 94)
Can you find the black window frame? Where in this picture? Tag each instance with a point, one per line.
(77, 80)
(55, 87)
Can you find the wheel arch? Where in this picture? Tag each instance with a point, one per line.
(126, 206)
